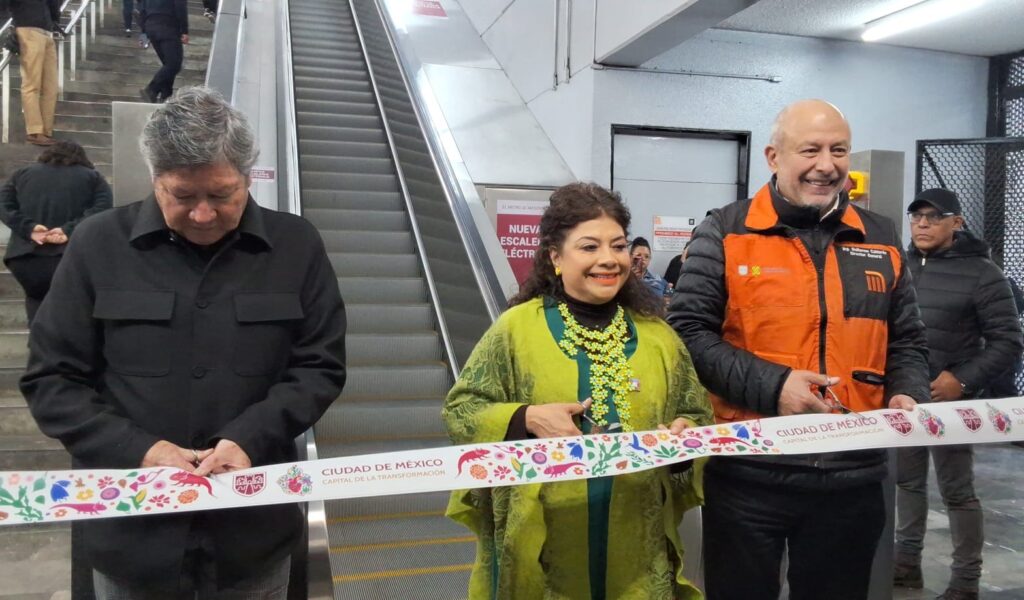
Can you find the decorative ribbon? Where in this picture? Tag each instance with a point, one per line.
(47, 496)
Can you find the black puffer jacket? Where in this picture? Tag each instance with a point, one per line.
(968, 308)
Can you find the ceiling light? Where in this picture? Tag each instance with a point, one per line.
(918, 15)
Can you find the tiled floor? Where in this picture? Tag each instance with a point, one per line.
(999, 482)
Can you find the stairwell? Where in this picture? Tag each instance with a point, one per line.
(35, 560)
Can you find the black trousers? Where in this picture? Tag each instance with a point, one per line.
(171, 53)
(831, 538)
(127, 7)
(34, 274)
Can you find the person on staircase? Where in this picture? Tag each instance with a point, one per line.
(165, 23)
(583, 347)
(192, 330)
(974, 336)
(42, 204)
(34, 24)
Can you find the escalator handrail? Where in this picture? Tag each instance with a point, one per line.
(319, 584)
(483, 271)
(442, 324)
(291, 198)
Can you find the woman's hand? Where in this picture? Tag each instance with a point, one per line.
(555, 420)
(56, 236)
(39, 233)
(678, 425)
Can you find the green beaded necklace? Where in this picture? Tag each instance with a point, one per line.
(609, 372)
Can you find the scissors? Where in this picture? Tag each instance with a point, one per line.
(833, 401)
(595, 428)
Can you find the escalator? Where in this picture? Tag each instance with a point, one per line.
(369, 186)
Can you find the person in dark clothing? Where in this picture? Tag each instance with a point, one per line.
(34, 24)
(675, 266)
(42, 204)
(973, 336)
(766, 342)
(192, 330)
(1005, 385)
(165, 22)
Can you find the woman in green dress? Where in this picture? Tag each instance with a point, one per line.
(582, 350)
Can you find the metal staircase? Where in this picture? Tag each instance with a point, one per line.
(369, 185)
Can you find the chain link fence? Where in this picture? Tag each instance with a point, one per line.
(988, 176)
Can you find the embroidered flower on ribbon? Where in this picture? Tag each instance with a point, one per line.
(61, 513)
(160, 501)
(105, 481)
(84, 495)
(188, 496)
(649, 440)
(478, 472)
(577, 470)
(501, 472)
(539, 458)
(663, 436)
(557, 456)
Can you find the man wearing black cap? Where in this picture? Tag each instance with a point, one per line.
(973, 336)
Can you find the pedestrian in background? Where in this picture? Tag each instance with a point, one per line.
(42, 204)
(974, 336)
(34, 24)
(165, 22)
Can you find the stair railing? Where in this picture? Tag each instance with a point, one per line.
(82, 23)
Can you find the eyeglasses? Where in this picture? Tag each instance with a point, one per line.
(931, 217)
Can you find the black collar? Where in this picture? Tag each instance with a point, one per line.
(803, 217)
(149, 221)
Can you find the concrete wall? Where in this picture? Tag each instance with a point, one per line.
(892, 96)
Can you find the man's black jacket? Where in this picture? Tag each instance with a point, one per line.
(43, 14)
(164, 18)
(142, 339)
(968, 307)
(53, 196)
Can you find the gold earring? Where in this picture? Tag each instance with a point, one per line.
(558, 271)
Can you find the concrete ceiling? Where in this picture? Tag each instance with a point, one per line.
(992, 28)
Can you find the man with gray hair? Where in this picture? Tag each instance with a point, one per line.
(194, 331)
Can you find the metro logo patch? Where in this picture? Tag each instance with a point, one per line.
(899, 422)
(972, 420)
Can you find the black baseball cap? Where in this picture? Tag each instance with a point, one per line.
(944, 200)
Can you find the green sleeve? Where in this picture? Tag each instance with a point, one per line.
(690, 400)
(481, 404)
(688, 396)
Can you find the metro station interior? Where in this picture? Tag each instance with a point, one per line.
(422, 138)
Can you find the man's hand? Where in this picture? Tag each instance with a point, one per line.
(166, 454)
(902, 402)
(946, 387)
(184, 39)
(678, 425)
(226, 456)
(797, 398)
(38, 234)
(555, 420)
(56, 236)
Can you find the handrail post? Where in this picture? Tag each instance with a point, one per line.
(103, 12)
(92, 21)
(83, 31)
(60, 67)
(74, 56)
(6, 97)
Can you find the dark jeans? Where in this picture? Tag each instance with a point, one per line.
(126, 12)
(831, 537)
(34, 274)
(954, 470)
(171, 53)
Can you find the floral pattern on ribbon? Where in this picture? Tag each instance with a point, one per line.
(606, 454)
(34, 497)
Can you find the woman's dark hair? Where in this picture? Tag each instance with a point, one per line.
(65, 153)
(639, 241)
(571, 205)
